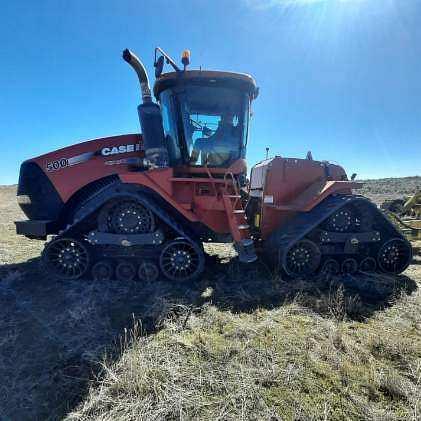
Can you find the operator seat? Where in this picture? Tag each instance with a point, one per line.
(218, 149)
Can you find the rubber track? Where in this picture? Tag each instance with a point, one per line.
(295, 230)
(114, 191)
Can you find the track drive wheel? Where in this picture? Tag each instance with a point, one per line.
(66, 258)
(126, 216)
(341, 221)
(394, 256)
(302, 259)
(181, 260)
(357, 217)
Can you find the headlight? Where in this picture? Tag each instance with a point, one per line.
(23, 199)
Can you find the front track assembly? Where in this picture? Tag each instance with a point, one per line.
(125, 241)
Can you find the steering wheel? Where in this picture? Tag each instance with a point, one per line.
(197, 126)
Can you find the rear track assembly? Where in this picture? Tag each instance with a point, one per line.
(344, 233)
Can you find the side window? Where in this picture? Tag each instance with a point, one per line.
(170, 131)
(246, 124)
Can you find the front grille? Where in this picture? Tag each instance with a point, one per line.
(45, 203)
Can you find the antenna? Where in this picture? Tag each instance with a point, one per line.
(267, 152)
(168, 59)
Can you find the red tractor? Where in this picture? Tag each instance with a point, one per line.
(141, 205)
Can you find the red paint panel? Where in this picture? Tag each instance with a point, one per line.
(297, 185)
(68, 176)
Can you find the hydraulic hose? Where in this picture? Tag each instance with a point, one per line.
(140, 70)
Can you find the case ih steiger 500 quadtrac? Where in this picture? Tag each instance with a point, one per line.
(141, 205)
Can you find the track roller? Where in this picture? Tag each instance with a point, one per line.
(181, 260)
(102, 271)
(66, 258)
(125, 271)
(349, 265)
(331, 267)
(148, 272)
(368, 264)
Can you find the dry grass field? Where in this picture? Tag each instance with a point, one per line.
(235, 345)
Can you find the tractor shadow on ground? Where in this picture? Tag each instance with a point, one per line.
(54, 333)
(354, 297)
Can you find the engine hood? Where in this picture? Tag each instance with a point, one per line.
(73, 167)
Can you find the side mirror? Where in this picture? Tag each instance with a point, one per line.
(159, 65)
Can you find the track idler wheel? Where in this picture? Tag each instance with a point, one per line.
(302, 259)
(331, 267)
(349, 266)
(66, 258)
(148, 272)
(125, 271)
(181, 260)
(368, 264)
(394, 256)
(102, 271)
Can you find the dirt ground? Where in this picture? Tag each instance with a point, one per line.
(53, 334)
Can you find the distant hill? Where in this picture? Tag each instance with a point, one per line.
(381, 189)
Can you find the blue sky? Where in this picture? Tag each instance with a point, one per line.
(339, 77)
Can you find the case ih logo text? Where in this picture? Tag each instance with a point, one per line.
(120, 149)
(79, 159)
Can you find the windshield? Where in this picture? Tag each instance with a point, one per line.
(212, 124)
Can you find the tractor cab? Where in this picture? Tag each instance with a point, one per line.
(201, 118)
(205, 116)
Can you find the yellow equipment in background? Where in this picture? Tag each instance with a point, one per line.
(412, 207)
(406, 214)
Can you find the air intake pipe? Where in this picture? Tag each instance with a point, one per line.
(156, 154)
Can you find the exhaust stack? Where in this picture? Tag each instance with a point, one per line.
(150, 117)
(140, 70)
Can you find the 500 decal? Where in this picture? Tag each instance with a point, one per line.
(57, 164)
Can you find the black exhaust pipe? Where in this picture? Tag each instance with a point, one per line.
(140, 70)
(150, 117)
